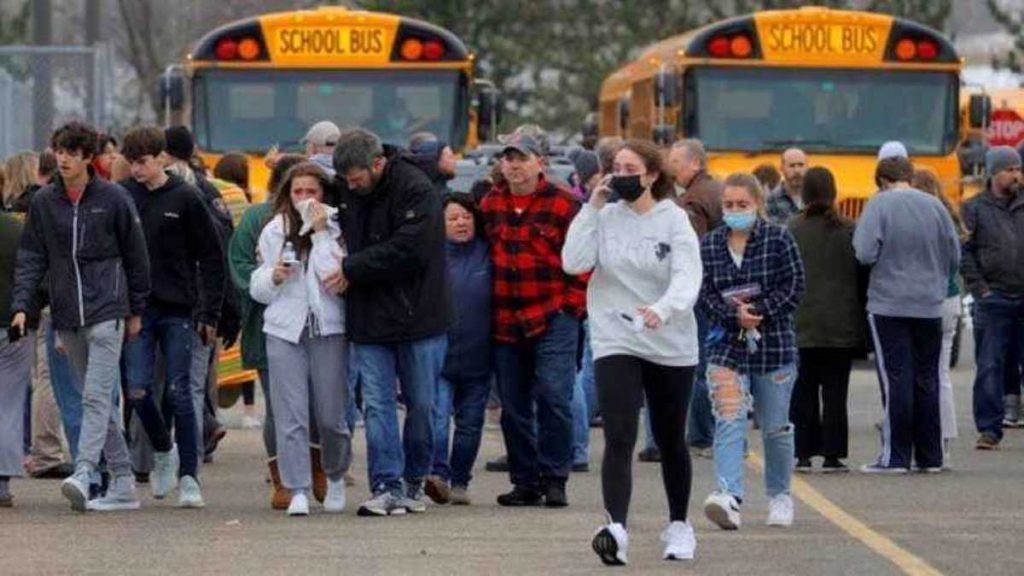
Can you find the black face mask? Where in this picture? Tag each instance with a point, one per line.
(628, 188)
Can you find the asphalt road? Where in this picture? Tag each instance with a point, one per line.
(967, 521)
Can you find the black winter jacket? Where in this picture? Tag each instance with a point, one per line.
(396, 264)
(95, 254)
(993, 254)
(180, 233)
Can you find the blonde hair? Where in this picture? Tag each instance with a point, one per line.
(926, 180)
(751, 185)
(22, 171)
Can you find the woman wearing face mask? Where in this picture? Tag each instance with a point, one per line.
(307, 354)
(753, 282)
(646, 277)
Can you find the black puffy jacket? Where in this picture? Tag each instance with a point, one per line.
(396, 264)
(94, 252)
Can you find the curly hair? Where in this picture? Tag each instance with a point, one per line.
(76, 137)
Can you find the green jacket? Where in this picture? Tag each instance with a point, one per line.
(832, 312)
(242, 261)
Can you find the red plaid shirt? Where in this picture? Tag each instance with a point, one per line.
(529, 284)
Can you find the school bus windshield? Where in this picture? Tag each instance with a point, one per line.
(250, 111)
(854, 111)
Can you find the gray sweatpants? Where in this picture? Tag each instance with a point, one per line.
(312, 372)
(95, 352)
(15, 379)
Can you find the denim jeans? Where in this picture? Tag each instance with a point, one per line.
(66, 391)
(998, 321)
(539, 371)
(700, 426)
(732, 394)
(466, 400)
(416, 365)
(173, 335)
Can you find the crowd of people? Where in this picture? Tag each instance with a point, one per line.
(642, 291)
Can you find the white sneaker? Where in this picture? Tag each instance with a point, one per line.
(723, 510)
(611, 543)
(335, 500)
(76, 489)
(680, 542)
(189, 495)
(164, 477)
(780, 511)
(121, 495)
(299, 505)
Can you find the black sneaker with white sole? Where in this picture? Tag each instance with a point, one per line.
(611, 543)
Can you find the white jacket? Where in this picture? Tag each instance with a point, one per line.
(638, 260)
(290, 304)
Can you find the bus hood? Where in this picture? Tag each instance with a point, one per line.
(854, 174)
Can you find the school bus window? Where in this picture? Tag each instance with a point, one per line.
(823, 110)
(288, 101)
(251, 101)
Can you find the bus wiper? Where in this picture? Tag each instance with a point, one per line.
(799, 142)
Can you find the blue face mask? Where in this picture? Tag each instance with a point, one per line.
(741, 221)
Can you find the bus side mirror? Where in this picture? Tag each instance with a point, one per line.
(172, 90)
(489, 109)
(664, 134)
(980, 110)
(666, 91)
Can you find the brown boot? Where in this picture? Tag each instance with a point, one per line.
(319, 478)
(279, 497)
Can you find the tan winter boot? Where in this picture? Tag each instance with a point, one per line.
(319, 478)
(279, 498)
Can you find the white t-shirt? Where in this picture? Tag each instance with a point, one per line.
(638, 260)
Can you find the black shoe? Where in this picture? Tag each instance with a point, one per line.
(650, 455)
(804, 465)
(833, 465)
(581, 467)
(521, 497)
(58, 472)
(141, 477)
(213, 440)
(554, 494)
(499, 464)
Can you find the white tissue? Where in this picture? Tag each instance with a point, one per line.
(304, 209)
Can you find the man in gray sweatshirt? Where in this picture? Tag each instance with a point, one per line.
(909, 240)
(993, 269)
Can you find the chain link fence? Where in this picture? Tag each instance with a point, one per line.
(41, 87)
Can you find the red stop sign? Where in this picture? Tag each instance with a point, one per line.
(1007, 128)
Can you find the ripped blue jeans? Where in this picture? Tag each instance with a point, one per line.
(731, 396)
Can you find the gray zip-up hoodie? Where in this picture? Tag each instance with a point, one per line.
(911, 243)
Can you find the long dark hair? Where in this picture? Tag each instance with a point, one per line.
(283, 204)
(653, 161)
(819, 196)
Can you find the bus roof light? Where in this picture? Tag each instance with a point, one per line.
(927, 50)
(248, 49)
(719, 47)
(906, 49)
(412, 49)
(433, 50)
(227, 49)
(740, 46)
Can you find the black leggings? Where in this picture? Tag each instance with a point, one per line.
(622, 382)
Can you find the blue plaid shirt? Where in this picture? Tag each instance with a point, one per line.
(780, 206)
(771, 260)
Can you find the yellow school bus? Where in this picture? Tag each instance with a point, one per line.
(265, 80)
(834, 83)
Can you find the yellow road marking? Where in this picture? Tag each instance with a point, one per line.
(880, 544)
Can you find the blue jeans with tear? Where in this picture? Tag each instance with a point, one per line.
(731, 396)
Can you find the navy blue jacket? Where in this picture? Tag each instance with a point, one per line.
(469, 339)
